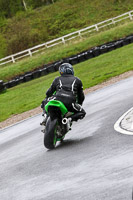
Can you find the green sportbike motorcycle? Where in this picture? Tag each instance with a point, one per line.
(58, 123)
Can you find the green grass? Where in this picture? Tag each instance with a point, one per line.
(92, 72)
(9, 71)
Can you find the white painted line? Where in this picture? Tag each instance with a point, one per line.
(132, 126)
(117, 126)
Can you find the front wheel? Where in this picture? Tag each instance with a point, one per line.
(50, 136)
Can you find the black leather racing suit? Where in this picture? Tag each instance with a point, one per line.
(69, 90)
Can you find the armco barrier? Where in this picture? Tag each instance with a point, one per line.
(36, 74)
(130, 38)
(103, 49)
(96, 51)
(73, 60)
(81, 57)
(6, 85)
(126, 41)
(12, 83)
(49, 68)
(2, 86)
(56, 65)
(28, 77)
(43, 72)
(20, 80)
(111, 47)
(119, 43)
(88, 54)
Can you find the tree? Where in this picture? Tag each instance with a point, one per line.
(24, 3)
(9, 8)
(3, 46)
(38, 3)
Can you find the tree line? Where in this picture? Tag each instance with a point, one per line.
(8, 8)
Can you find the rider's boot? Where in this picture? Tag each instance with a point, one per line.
(43, 123)
(69, 124)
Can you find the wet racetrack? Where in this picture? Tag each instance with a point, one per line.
(94, 162)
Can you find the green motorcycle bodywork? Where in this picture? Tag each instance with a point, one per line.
(53, 126)
(58, 104)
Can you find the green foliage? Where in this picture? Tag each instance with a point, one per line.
(9, 8)
(35, 4)
(21, 36)
(3, 46)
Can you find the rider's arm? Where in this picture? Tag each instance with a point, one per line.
(52, 88)
(80, 94)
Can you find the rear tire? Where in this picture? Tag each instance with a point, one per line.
(50, 136)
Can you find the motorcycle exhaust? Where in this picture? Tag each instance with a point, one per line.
(64, 121)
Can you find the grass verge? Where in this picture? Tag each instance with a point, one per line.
(32, 27)
(9, 71)
(92, 72)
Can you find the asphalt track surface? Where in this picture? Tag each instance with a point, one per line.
(94, 163)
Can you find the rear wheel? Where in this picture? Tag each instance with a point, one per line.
(50, 134)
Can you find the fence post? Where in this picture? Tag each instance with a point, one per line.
(130, 16)
(80, 34)
(97, 29)
(30, 53)
(63, 40)
(113, 21)
(13, 60)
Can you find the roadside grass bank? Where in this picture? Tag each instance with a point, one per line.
(32, 27)
(29, 95)
(8, 72)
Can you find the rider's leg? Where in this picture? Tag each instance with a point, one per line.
(79, 112)
(44, 102)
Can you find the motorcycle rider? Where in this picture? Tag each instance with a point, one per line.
(69, 90)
